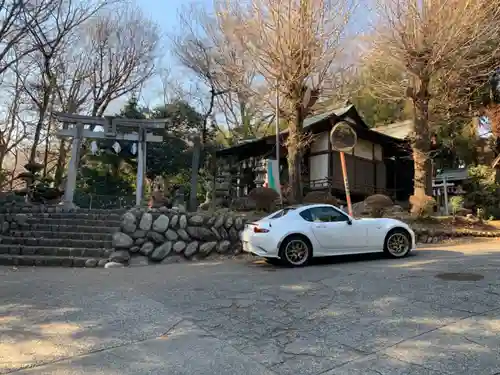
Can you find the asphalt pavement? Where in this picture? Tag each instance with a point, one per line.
(436, 312)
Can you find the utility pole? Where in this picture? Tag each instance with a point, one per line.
(278, 141)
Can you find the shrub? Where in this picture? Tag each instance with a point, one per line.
(264, 198)
(422, 206)
(377, 204)
(243, 204)
(456, 204)
(321, 197)
(481, 188)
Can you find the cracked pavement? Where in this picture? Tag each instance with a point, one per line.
(349, 316)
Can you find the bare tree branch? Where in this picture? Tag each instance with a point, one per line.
(122, 47)
(297, 48)
(441, 52)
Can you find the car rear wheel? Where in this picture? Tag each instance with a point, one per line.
(397, 243)
(296, 251)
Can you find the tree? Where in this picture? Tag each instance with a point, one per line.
(173, 156)
(72, 94)
(444, 50)
(296, 47)
(122, 46)
(13, 128)
(17, 19)
(376, 111)
(112, 173)
(48, 39)
(114, 55)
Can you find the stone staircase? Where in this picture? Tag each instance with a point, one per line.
(71, 239)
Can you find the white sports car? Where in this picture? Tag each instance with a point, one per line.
(295, 234)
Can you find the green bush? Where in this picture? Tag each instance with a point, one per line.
(456, 204)
(482, 189)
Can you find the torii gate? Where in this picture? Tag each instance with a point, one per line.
(74, 127)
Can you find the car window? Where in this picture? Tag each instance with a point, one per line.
(323, 214)
(282, 212)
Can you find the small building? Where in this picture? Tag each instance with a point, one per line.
(451, 181)
(380, 163)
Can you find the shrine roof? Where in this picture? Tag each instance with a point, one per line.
(315, 124)
(458, 174)
(399, 130)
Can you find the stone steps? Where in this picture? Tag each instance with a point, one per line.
(84, 222)
(15, 249)
(47, 261)
(62, 229)
(57, 242)
(49, 236)
(38, 234)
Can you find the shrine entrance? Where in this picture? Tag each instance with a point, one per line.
(114, 129)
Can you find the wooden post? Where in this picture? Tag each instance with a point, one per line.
(346, 183)
(195, 166)
(445, 187)
(140, 167)
(69, 190)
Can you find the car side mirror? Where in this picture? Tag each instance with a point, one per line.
(349, 222)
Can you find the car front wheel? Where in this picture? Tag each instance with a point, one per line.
(296, 251)
(397, 243)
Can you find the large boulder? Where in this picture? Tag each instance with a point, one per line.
(147, 248)
(376, 204)
(146, 221)
(171, 235)
(120, 256)
(161, 252)
(195, 220)
(207, 247)
(160, 225)
(191, 249)
(223, 247)
(122, 241)
(179, 246)
(129, 224)
(201, 233)
(183, 234)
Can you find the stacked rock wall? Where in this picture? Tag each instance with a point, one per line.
(167, 236)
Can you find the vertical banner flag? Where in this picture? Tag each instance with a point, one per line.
(272, 175)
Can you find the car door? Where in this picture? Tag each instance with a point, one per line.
(335, 231)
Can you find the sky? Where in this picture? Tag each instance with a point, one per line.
(165, 14)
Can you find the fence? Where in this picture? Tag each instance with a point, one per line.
(86, 200)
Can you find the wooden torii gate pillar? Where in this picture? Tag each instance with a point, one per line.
(74, 127)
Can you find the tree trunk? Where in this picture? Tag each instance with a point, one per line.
(294, 148)
(421, 147)
(48, 85)
(61, 162)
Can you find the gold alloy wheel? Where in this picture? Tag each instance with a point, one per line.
(296, 252)
(398, 244)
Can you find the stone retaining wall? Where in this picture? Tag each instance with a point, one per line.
(169, 236)
(424, 236)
